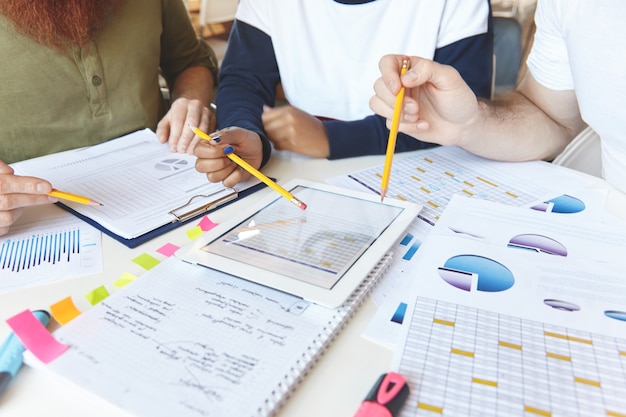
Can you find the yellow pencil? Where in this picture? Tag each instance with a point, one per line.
(393, 132)
(255, 172)
(73, 197)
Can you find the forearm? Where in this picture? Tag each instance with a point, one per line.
(194, 83)
(512, 128)
(242, 92)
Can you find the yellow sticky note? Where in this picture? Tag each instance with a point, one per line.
(96, 295)
(64, 311)
(146, 261)
(194, 233)
(124, 280)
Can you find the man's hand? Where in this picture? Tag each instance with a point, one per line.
(17, 192)
(175, 129)
(438, 105)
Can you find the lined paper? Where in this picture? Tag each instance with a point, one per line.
(204, 339)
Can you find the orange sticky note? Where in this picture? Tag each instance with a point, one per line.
(146, 261)
(96, 295)
(64, 311)
(35, 336)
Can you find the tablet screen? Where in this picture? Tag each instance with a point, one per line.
(316, 246)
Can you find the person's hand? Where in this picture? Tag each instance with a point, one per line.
(438, 104)
(174, 127)
(291, 129)
(17, 192)
(212, 159)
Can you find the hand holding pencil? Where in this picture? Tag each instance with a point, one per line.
(19, 191)
(229, 153)
(393, 133)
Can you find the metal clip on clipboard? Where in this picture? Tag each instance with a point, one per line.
(198, 204)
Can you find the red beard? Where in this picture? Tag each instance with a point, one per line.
(59, 23)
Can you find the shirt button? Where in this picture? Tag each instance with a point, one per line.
(95, 80)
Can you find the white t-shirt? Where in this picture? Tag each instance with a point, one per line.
(313, 39)
(581, 45)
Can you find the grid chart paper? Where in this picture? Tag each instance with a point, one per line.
(432, 180)
(462, 361)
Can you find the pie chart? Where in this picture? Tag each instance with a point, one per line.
(616, 315)
(173, 164)
(561, 305)
(476, 273)
(562, 204)
(537, 243)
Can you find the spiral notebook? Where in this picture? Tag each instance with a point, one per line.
(200, 338)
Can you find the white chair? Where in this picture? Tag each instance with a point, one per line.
(583, 153)
(216, 11)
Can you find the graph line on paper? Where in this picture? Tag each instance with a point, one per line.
(464, 361)
(433, 178)
(42, 251)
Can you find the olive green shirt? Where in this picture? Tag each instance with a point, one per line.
(52, 101)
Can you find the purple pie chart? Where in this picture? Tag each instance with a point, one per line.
(537, 243)
(561, 305)
(476, 273)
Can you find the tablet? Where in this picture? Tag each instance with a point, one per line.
(320, 254)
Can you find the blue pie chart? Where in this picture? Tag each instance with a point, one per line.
(473, 272)
(616, 315)
(563, 204)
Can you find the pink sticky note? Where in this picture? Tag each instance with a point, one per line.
(206, 224)
(35, 337)
(168, 249)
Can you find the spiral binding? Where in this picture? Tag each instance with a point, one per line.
(344, 313)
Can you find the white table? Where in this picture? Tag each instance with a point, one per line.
(336, 385)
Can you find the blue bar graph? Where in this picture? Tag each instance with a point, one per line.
(52, 248)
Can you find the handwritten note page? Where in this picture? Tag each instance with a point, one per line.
(206, 342)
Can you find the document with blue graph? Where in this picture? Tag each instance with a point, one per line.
(39, 251)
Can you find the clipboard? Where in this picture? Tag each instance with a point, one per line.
(181, 215)
(145, 190)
